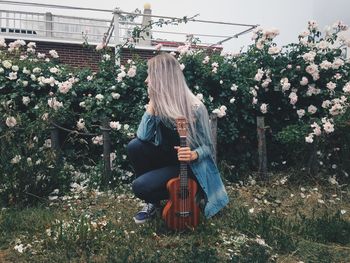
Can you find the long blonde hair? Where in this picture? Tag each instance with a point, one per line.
(172, 99)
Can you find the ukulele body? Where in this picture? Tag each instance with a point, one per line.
(181, 211)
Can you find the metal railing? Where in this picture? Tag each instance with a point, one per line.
(117, 30)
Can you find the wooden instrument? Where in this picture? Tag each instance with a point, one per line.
(181, 211)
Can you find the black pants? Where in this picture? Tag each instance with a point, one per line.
(154, 167)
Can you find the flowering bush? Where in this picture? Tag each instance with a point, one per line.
(302, 89)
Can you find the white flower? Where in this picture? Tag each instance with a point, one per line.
(47, 143)
(19, 248)
(115, 125)
(325, 64)
(54, 70)
(293, 98)
(16, 159)
(97, 140)
(304, 81)
(312, 25)
(274, 50)
(255, 100)
(337, 63)
(312, 109)
(333, 180)
(132, 71)
(89, 78)
(15, 68)
(220, 112)
(12, 76)
(206, 60)
(323, 45)
(31, 45)
(25, 100)
(7, 64)
(285, 84)
(309, 57)
(215, 65)
(263, 108)
(126, 126)
(2, 42)
(342, 211)
(53, 53)
(326, 104)
(99, 97)
(182, 66)
(106, 57)
(232, 100)
(11, 122)
(41, 55)
(115, 95)
(346, 88)
(301, 113)
(100, 46)
(54, 103)
(331, 85)
(158, 46)
(81, 124)
(200, 96)
(36, 70)
(64, 87)
(82, 104)
(309, 138)
(317, 129)
(328, 127)
(234, 87)
(259, 75)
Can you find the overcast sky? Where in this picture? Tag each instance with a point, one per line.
(289, 16)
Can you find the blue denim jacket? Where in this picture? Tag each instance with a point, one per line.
(204, 168)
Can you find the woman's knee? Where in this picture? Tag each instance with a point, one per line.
(139, 188)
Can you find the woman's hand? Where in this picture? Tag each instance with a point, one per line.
(150, 107)
(184, 154)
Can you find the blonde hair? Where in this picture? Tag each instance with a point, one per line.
(172, 99)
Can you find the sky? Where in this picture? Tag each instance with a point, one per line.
(289, 16)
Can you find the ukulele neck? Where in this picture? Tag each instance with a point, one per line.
(183, 166)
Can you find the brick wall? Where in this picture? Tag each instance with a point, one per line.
(78, 56)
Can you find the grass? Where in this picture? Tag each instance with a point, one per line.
(282, 221)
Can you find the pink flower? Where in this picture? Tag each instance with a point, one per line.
(328, 127)
(312, 109)
(331, 85)
(158, 46)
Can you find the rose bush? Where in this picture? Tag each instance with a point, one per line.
(302, 89)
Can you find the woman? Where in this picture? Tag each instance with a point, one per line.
(155, 154)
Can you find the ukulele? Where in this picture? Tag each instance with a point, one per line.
(181, 210)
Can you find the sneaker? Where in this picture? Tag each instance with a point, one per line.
(146, 213)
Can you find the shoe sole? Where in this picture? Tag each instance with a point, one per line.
(137, 221)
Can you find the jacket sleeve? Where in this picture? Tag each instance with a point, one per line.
(148, 127)
(203, 150)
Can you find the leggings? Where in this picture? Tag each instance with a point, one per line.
(154, 167)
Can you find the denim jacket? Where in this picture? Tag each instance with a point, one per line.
(204, 168)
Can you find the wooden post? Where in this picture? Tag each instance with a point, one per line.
(312, 165)
(106, 152)
(214, 126)
(55, 146)
(262, 147)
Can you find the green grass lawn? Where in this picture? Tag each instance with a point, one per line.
(279, 221)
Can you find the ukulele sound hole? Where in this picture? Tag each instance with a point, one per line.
(183, 194)
(183, 214)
